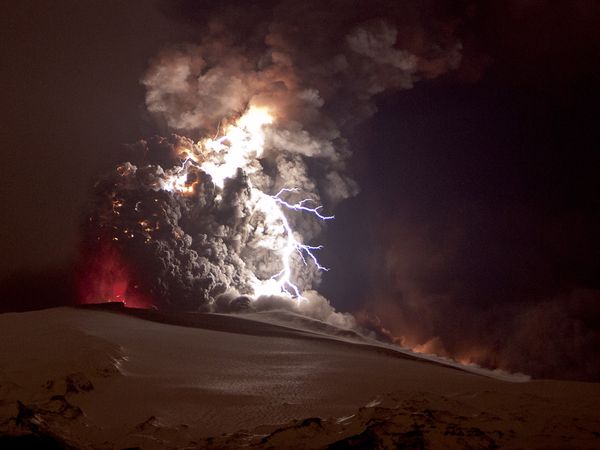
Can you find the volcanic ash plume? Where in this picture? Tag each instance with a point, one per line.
(228, 210)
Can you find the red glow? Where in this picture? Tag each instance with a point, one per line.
(106, 278)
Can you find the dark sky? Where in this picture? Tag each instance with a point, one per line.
(476, 229)
(71, 97)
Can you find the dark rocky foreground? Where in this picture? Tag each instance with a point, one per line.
(397, 421)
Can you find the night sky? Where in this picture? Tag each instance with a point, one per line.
(475, 232)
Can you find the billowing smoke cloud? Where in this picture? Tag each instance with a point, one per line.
(316, 67)
(319, 77)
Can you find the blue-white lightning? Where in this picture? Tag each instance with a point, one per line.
(272, 206)
(300, 206)
(221, 157)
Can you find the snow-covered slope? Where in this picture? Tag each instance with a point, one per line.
(97, 378)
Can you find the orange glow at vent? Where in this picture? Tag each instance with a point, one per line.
(106, 278)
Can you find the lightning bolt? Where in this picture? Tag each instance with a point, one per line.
(220, 157)
(275, 205)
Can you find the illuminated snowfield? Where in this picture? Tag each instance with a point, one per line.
(99, 379)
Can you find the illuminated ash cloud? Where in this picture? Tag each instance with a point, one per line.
(201, 227)
(317, 65)
(229, 207)
(182, 254)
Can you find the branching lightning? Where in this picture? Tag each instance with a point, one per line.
(221, 157)
(300, 205)
(272, 206)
